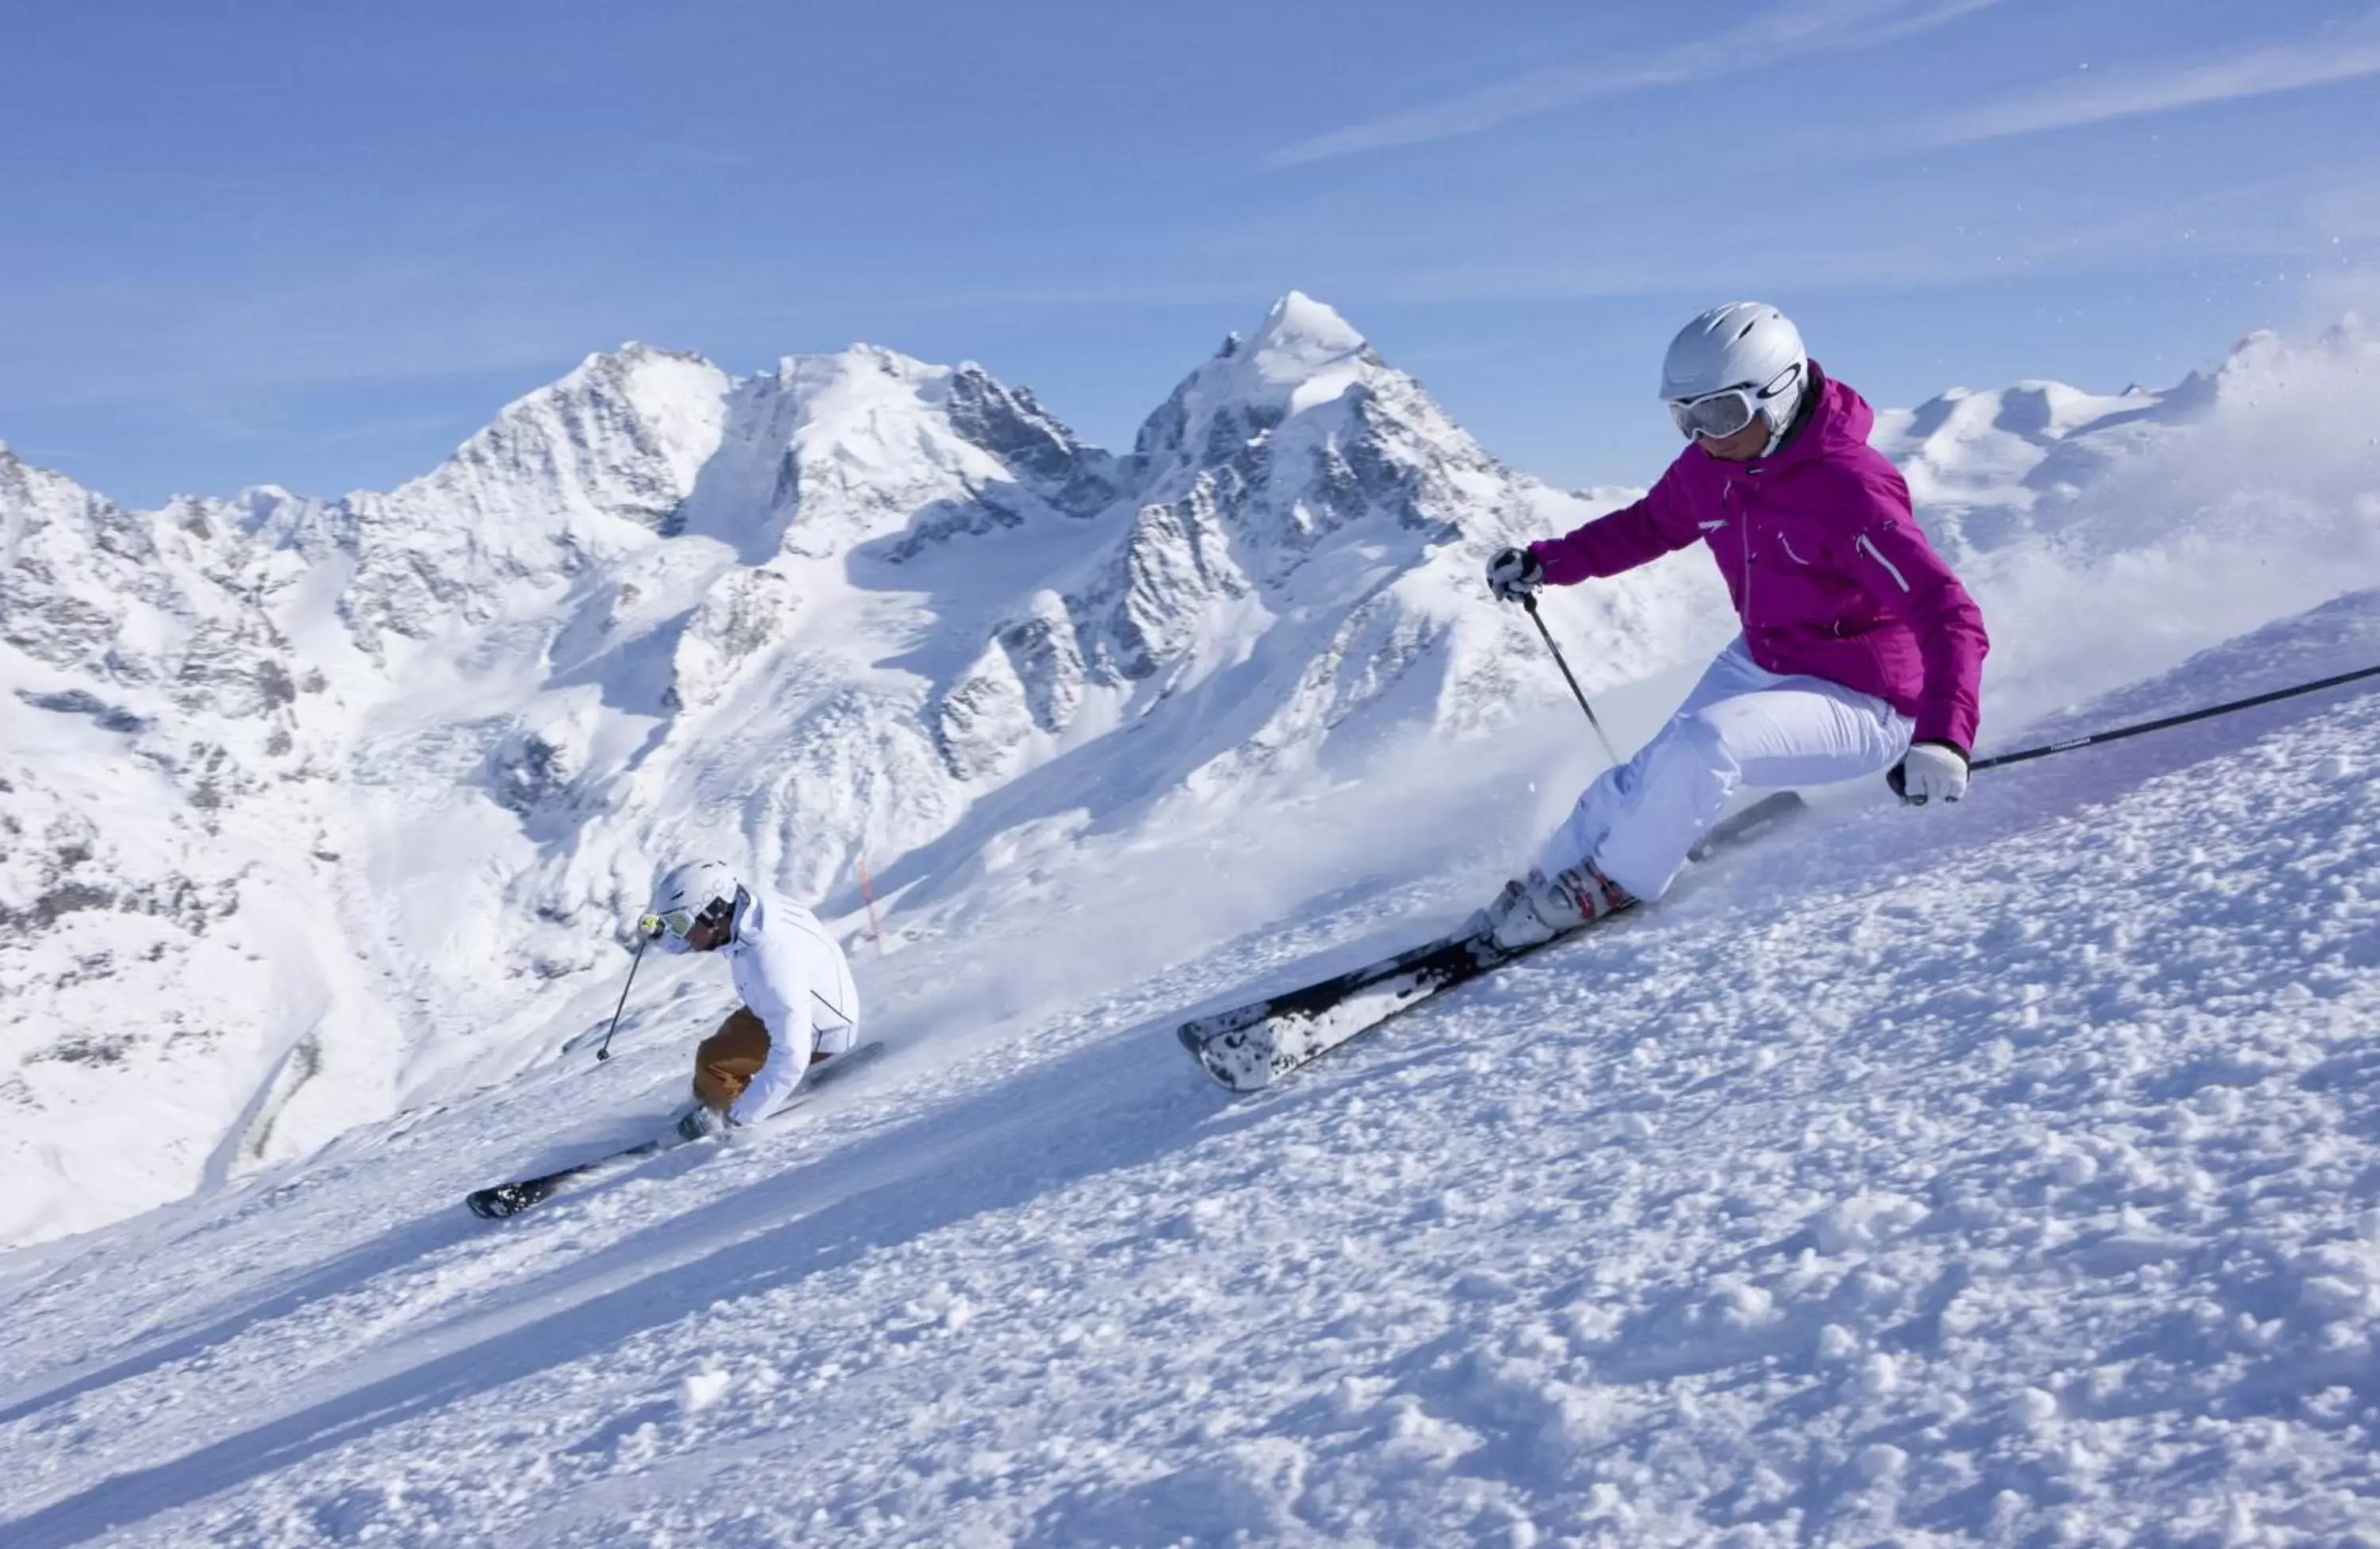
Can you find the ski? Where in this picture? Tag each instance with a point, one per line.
(1248, 1047)
(511, 1198)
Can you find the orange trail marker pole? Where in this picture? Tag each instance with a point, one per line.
(868, 891)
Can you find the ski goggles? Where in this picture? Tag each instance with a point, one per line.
(674, 922)
(1721, 414)
(679, 923)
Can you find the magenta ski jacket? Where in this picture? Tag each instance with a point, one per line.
(1827, 566)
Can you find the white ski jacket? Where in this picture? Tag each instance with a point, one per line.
(798, 982)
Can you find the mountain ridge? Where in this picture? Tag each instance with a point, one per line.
(807, 616)
(319, 809)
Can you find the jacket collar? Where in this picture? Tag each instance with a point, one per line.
(745, 906)
(1833, 418)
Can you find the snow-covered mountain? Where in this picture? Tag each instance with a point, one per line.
(318, 807)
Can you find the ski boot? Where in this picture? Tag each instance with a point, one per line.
(1534, 910)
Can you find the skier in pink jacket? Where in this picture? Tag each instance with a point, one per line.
(1860, 653)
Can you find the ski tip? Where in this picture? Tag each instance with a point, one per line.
(1218, 1054)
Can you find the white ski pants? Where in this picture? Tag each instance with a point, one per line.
(1743, 724)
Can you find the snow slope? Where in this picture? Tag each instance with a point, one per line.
(2000, 1177)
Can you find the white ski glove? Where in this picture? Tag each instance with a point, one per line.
(1932, 772)
(1514, 575)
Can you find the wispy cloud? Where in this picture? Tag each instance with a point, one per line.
(1883, 244)
(1790, 32)
(2321, 61)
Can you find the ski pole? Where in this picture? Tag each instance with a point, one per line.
(603, 1050)
(2070, 744)
(1530, 603)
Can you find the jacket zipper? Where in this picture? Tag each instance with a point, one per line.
(1743, 530)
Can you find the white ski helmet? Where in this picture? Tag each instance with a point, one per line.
(1744, 345)
(687, 893)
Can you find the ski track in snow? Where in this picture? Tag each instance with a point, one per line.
(2004, 1176)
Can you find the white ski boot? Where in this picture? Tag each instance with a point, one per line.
(1541, 907)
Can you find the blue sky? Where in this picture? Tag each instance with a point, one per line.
(319, 244)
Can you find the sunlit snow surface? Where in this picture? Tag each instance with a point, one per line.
(2004, 1175)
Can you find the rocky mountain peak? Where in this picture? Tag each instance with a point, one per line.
(1010, 425)
(1305, 352)
(1304, 355)
(828, 452)
(1295, 442)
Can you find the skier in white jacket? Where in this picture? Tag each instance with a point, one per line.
(800, 1007)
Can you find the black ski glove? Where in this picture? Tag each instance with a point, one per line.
(1514, 575)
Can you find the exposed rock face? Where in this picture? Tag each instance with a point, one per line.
(1295, 488)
